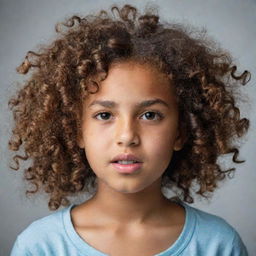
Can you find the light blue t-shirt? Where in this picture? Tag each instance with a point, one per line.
(203, 234)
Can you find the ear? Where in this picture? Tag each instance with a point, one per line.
(180, 140)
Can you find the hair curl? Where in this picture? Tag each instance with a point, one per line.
(47, 110)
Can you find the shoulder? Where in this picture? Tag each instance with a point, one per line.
(45, 225)
(215, 232)
(205, 223)
(210, 224)
(40, 233)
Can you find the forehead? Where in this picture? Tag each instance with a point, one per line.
(138, 73)
(131, 82)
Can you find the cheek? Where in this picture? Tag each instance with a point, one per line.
(161, 148)
(96, 141)
(160, 144)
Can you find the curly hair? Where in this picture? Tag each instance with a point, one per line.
(47, 109)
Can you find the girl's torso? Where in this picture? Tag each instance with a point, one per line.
(115, 241)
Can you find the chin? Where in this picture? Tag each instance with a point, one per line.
(131, 189)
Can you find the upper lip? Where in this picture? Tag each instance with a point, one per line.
(126, 157)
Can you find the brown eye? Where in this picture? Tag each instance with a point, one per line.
(150, 115)
(103, 116)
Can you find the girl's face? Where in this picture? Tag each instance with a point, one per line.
(134, 112)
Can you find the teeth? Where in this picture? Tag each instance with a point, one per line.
(126, 162)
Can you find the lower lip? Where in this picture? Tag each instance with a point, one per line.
(127, 168)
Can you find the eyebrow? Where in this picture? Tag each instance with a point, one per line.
(143, 104)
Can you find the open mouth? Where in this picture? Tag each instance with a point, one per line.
(126, 162)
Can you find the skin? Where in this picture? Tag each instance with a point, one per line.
(127, 202)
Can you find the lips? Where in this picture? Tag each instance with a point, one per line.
(126, 157)
(127, 168)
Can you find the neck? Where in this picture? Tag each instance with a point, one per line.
(130, 208)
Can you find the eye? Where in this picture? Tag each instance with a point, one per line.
(150, 115)
(103, 116)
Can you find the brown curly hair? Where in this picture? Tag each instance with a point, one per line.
(47, 109)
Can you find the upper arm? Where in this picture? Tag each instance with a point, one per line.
(238, 247)
(19, 249)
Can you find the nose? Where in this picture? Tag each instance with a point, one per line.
(127, 133)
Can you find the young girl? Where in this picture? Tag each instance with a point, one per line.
(122, 106)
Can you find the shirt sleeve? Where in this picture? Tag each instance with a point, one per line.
(18, 249)
(238, 247)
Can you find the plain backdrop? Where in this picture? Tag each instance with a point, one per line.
(25, 24)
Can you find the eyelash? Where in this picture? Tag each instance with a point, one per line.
(160, 115)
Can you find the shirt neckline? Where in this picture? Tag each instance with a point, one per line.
(175, 249)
